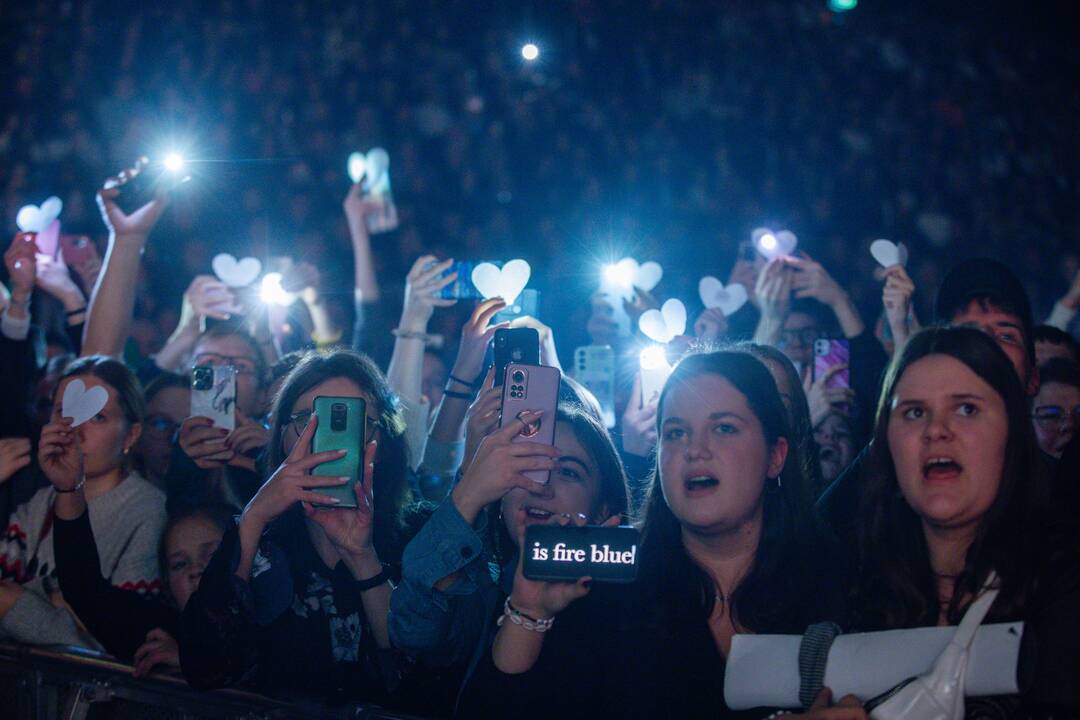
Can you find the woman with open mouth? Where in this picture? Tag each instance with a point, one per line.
(954, 503)
(458, 570)
(729, 545)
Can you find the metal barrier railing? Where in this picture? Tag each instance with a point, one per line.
(40, 683)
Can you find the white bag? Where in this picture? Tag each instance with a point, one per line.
(939, 694)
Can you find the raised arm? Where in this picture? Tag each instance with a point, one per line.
(112, 301)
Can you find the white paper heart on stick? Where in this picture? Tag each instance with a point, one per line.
(627, 274)
(714, 295)
(357, 166)
(506, 282)
(32, 218)
(665, 324)
(81, 404)
(888, 253)
(236, 273)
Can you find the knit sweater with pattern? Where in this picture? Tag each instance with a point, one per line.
(127, 524)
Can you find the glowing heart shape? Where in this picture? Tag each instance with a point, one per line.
(236, 273)
(357, 166)
(506, 283)
(774, 244)
(888, 253)
(665, 324)
(32, 218)
(81, 404)
(714, 295)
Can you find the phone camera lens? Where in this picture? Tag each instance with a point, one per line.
(518, 376)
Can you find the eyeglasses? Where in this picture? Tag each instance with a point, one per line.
(805, 336)
(296, 423)
(245, 365)
(1055, 417)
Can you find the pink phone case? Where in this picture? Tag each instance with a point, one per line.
(532, 387)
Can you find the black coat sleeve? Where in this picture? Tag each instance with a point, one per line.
(119, 619)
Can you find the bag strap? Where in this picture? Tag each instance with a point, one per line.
(965, 633)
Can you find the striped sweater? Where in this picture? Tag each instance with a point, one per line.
(127, 523)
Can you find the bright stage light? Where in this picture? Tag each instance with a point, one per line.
(174, 162)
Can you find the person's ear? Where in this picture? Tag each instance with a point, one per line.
(777, 457)
(133, 434)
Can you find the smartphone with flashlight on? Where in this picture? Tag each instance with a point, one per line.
(529, 388)
(159, 176)
(342, 425)
(515, 345)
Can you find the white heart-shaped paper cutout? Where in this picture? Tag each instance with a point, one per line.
(714, 295)
(32, 218)
(774, 244)
(648, 275)
(665, 324)
(506, 283)
(357, 166)
(888, 253)
(81, 404)
(236, 273)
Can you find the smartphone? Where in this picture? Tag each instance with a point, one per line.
(462, 288)
(514, 345)
(151, 180)
(594, 367)
(568, 552)
(527, 303)
(75, 248)
(342, 423)
(213, 394)
(828, 354)
(531, 387)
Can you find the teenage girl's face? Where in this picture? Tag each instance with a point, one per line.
(189, 546)
(572, 491)
(947, 434)
(106, 437)
(164, 413)
(713, 457)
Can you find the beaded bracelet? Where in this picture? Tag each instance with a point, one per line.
(459, 381)
(77, 488)
(519, 618)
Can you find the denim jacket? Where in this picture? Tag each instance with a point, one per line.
(448, 627)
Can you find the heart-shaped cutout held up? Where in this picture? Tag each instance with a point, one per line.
(506, 282)
(888, 253)
(665, 324)
(32, 218)
(236, 273)
(81, 404)
(714, 295)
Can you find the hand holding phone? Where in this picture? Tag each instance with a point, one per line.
(568, 552)
(213, 394)
(341, 426)
(515, 345)
(529, 388)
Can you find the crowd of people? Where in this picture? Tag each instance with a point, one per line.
(937, 466)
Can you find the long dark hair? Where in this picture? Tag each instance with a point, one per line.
(613, 492)
(391, 482)
(801, 440)
(898, 587)
(786, 587)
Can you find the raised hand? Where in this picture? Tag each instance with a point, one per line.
(499, 466)
(60, 454)
(811, 280)
(475, 336)
(52, 276)
(208, 297)
(422, 286)
(896, 297)
(88, 266)
(482, 417)
(21, 264)
(548, 354)
(292, 482)
(639, 422)
(139, 223)
(350, 529)
(773, 289)
(247, 436)
(823, 400)
(14, 456)
(160, 648)
(204, 443)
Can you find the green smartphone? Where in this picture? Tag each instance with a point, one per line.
(341, 427)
